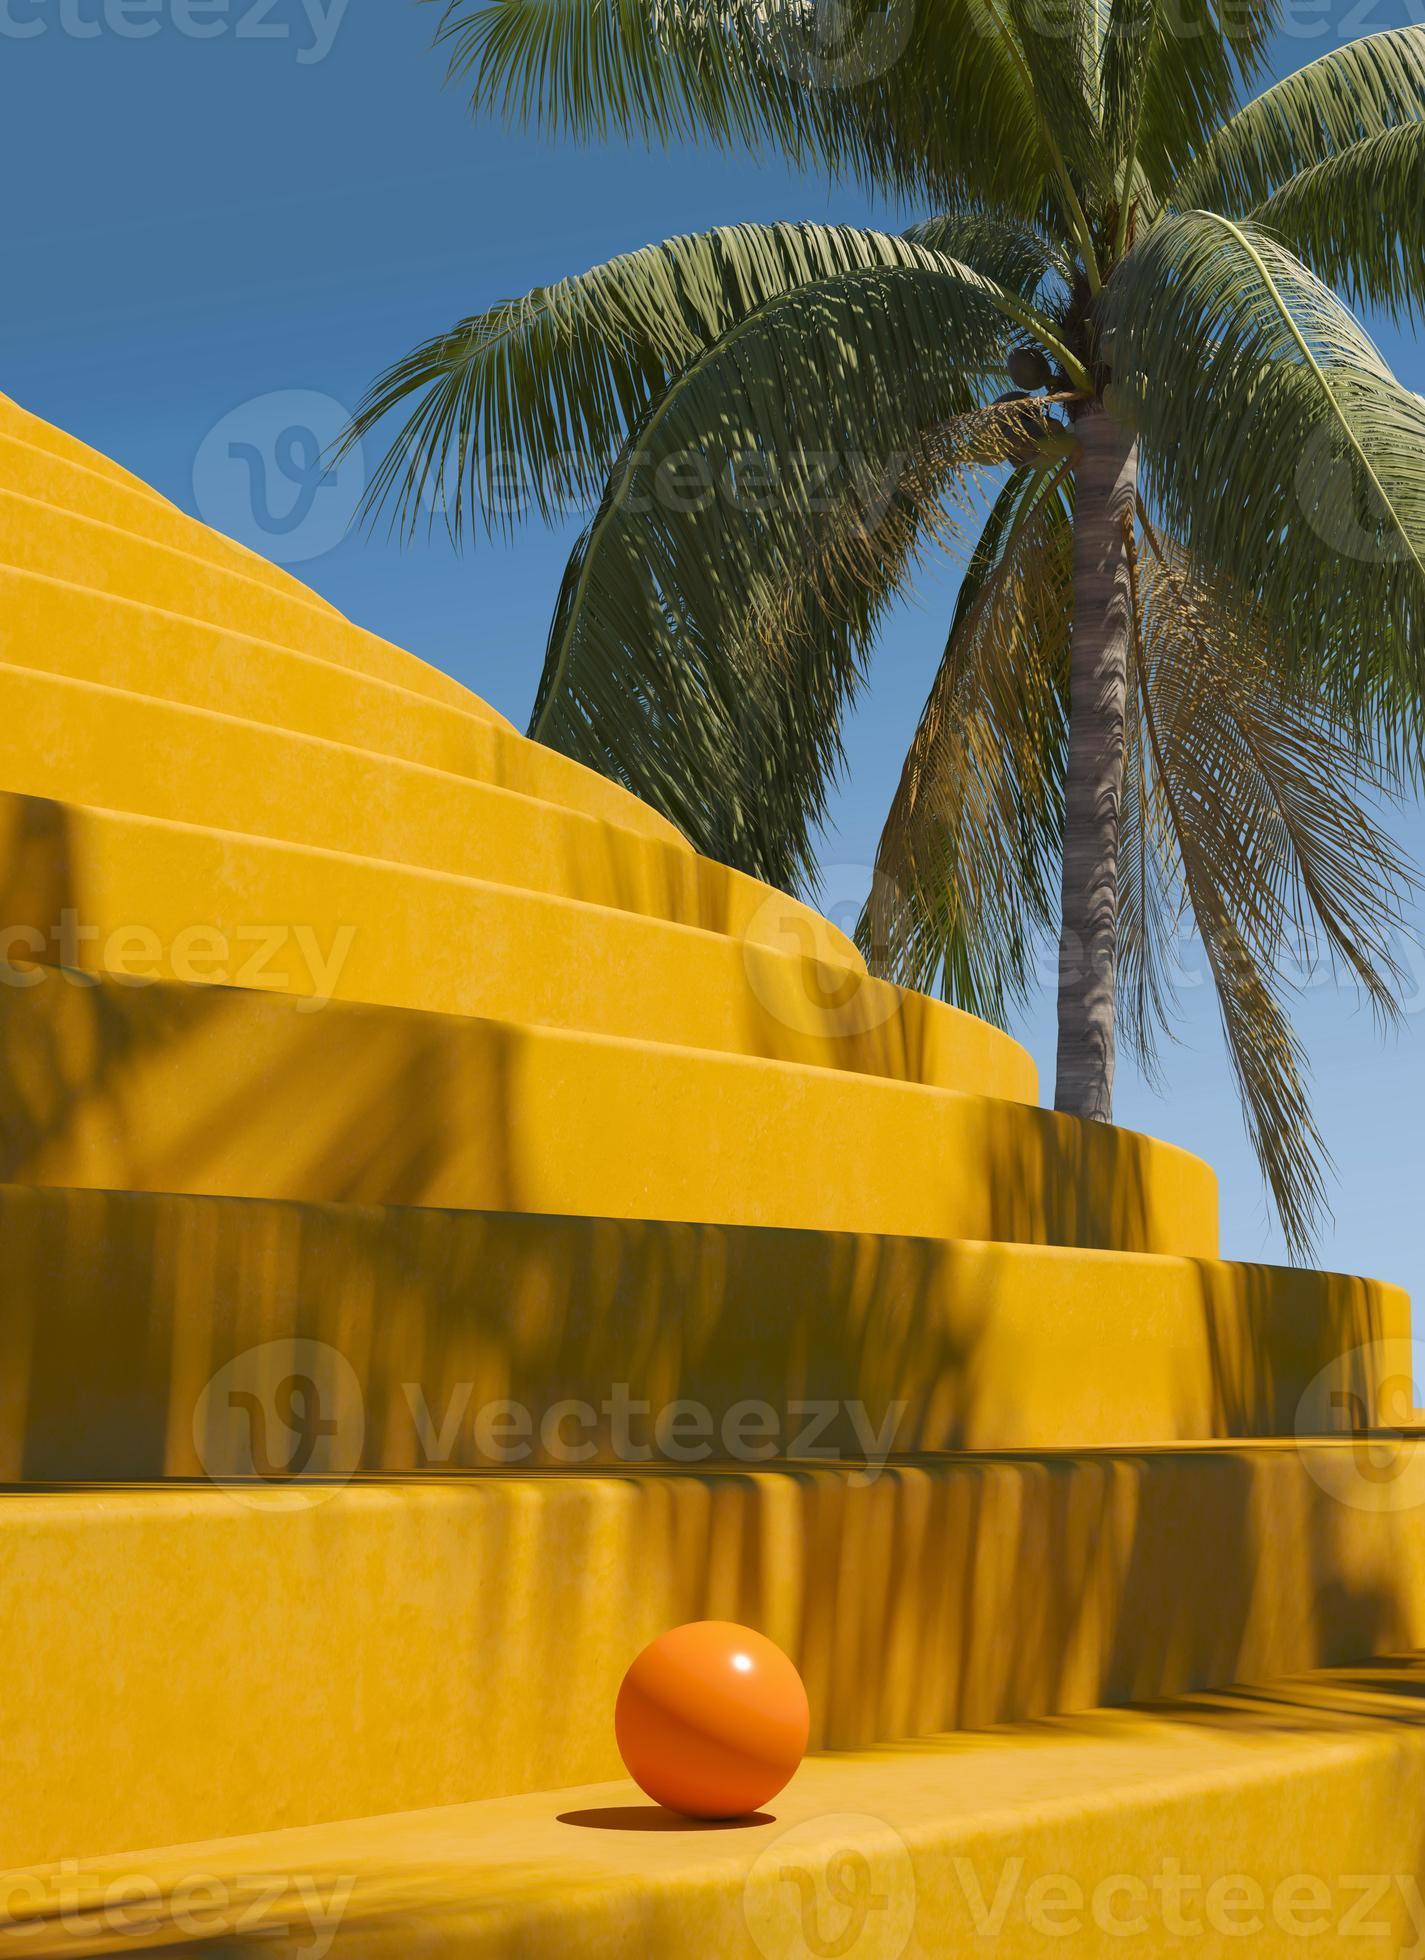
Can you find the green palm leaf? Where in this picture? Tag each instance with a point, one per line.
(528, 404)
(680, 660)
(1354, 92)
(967, 867)
(1018, 257)
(1282, 452)
(920, 98)
(1269, 802)
(1358, 219)
(1151, 905)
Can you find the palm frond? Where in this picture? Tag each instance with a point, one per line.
(1267, 1059)
(1358, 219)
(1353, 92)
(1151, 904)
(1283, 862)
(940, 489)
(926, 98)
(528, 404)
(1058, 40)
(1018, 257)
(1172, 72)
(665, 668)
(966, 879)
(1279, 449)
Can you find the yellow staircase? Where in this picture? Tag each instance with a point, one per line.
(451, 1232)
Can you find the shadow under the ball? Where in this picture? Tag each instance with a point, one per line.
(653, 1817)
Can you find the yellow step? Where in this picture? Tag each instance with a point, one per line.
(1282, 1820)
(52, 626)
(79, 742)
(76, 481)
(150, 899)
(74, 509)
(37, 537)
(120, 1307)
(233, 1092)
(19, 423)
(184, 1663)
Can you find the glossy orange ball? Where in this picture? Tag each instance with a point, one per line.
(711, 1719)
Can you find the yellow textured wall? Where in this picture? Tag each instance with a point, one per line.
(343, 1028)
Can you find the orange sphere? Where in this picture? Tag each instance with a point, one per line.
(711, 1719)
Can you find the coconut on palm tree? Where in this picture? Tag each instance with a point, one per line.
(1186, 655)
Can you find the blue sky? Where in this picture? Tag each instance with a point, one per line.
(216, 206)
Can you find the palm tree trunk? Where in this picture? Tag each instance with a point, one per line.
(1105, 479)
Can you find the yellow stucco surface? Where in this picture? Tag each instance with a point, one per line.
(356, 1050)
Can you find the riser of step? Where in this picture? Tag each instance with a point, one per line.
(36, 537)
(79, 742)
(51, 626)
(400, 1645)
(670, 1344)
(237, 1093)
(1284, 1821)
(151, 899)
(75, 481)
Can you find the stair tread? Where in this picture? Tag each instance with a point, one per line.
(74, 483)
(166, 655)
(48, 436)
(208, 769)
(209, 1089)
(47, 537)
(411, 936)
(1141, 1350)
(596, 1869)
(400, 1635)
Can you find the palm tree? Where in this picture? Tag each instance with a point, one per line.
(1185, 659)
